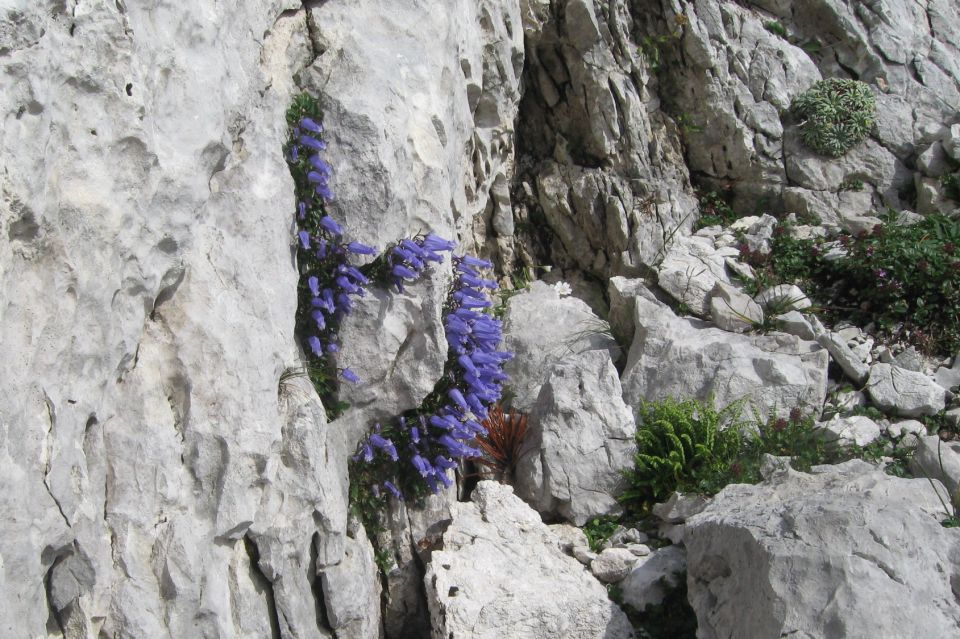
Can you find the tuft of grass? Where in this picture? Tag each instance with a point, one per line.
(851, 185)
(776, 28)
(600, 529)
(503, 445)
(835, 115)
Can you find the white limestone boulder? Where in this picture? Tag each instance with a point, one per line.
(580, 438)
(541, 329)
(904, 392)
(680, 357)
(500, 571)
(851, 552)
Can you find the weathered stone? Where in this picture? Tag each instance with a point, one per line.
(613, 564)
(783, 298)
(902, 392)
(858, 430)
(795, 323)
(733, 310)
(680, 507)
(622, 292)
(933, 161)
(951, 142)
(581, 435)
(674, 357)
(809, 555)
(690, 271)
(940, 460)
(351, 590)
(569, 537)
(538, 345)
(609, 171)
(653, 576)
(949, 377)
(584, 555)
(470, 596)
(849, 363)
(906, 428)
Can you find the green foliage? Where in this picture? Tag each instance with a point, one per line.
(681, 445)
(600, 529)
(851, 185)
(795, 437)
(903, 278)
(790, 260)
(384, 559)
(835, 115)
(688, 446)
(714, 210)
(652, 47)
(775, 28)
(951, 186)
(673, 618)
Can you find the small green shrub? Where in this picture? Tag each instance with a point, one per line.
(681, 445)
(903, 278)
(835, 115)
(600, 529)
(776, 28)
(688, 446)
(951, 186)
(714, 210)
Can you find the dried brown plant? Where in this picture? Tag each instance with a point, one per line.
(502, 446)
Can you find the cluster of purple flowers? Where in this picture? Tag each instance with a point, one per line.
(409, 257)
(332, 279)
(472, 384)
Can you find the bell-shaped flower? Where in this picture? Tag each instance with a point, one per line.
(331, 225)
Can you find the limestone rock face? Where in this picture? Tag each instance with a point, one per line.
(813, 555)
(170, 469)
(148, 300)
(679, 357)
(531, 585)
(542, 329)
(733, 79)
(421, 144)
(581, 438)
(605, 169)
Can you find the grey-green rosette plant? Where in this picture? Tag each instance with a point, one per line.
(835, 115)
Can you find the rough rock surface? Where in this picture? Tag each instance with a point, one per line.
(170, 472)
(147, 327)
(580, 438)
(652, 576)
(732, 310)
(813, 555)
(904, 392)
(690, 272)
(939, 460)
(852, 366)
(605, 169)
(472, 596)
(542, 329)
(613, 564)
(858, 429)
(678, 357)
